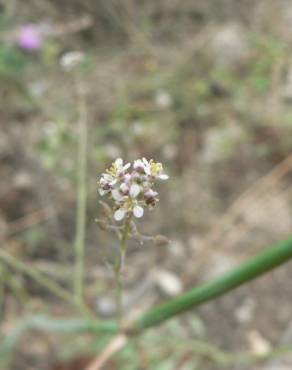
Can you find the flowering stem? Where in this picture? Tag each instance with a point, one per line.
(118, 268)
(124, 238)
(119, 297)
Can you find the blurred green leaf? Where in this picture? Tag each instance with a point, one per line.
(11, 60)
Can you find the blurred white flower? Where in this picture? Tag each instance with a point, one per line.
(163, 99)
(71, 59)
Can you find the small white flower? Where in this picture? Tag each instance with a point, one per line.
(106, 184)
(163, 99)
(124, 188)
(126, 166)
(117, 195)
(119, 162)
(163, 176)
(147, 166)
(138, 211)
(127, 178)
(149, 193)
(121, 168)
(71, 59)
(120, 214)
(107, 179)
(134, 190)
(101, 191)
(138, 165)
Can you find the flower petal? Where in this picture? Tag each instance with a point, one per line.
(138, 211)
(163, 176)
(120, 214)
(119, 162)
(107, 177)
(149, 193)
(138, 164)
(126, 166)
(124, 188)
(147, 166)
(127, 178)
(117, 195)
(134, 190)
(101, 191)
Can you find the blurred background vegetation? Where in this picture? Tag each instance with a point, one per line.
(203, 86)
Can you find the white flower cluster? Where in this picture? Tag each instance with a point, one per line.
(131, 188)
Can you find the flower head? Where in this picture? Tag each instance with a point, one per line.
(71, 59)
(130, 186)
(29, 38)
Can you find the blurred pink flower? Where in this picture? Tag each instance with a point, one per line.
(30, 37)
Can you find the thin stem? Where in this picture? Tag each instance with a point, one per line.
(118, 268)
(125, 234)
(35, 275)
(81, 196)
(55, 326)
(42, 280)
(264, 262)
(119, 295)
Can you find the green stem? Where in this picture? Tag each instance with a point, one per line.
(42, 280)
(55, 326)
(264, 262)
(35, 275)
(124, 239)
(119, 267)
(119, 297)
(81, 196)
